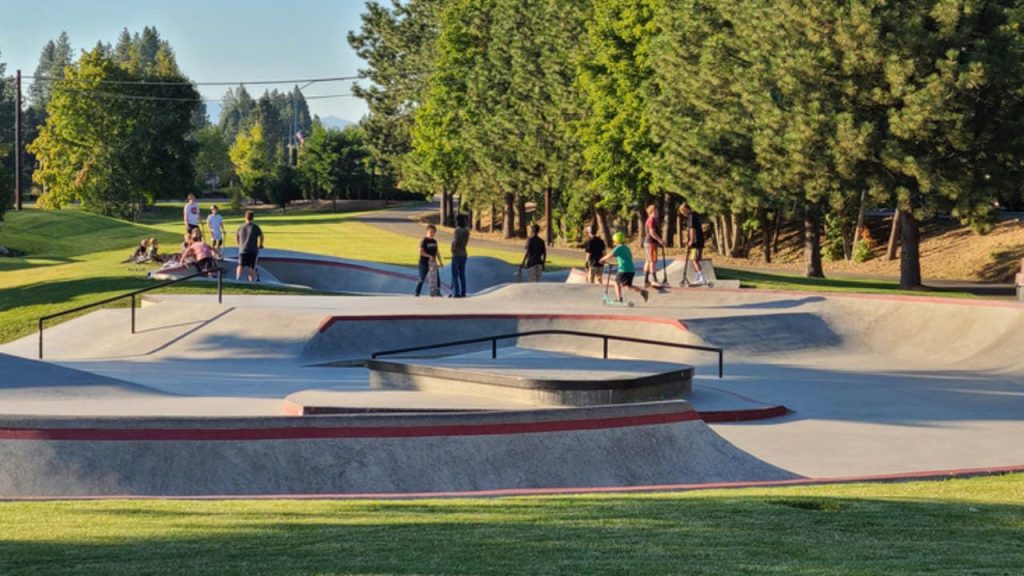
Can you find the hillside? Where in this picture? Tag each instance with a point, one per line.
(948, 252)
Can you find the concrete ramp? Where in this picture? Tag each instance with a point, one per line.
(657, 443)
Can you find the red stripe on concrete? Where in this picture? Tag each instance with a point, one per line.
(326, 323)
(249, 434)
(718, 416)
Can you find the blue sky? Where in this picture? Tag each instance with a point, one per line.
(214, 40)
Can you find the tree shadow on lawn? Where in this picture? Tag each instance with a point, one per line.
(1003, 265)
(655, 534)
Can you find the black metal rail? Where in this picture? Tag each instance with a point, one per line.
(605, 337)
(132, 295)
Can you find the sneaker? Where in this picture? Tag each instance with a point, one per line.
(645, 295)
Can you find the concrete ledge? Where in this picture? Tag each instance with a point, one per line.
(558, 381)
(632, 445)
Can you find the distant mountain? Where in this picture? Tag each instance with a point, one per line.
(335, 122)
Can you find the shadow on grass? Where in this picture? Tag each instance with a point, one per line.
(748, 278)
(1003, 265)
(662, 534)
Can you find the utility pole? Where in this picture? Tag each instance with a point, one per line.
(17, 140)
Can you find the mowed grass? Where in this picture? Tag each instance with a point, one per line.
(74, 258)
(782, 281)
(952, 527)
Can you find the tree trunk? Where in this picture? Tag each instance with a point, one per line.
(738, 248)
(860, 221)
(442, 212)
(507, 228)
(890, 251)
(910, 253)
(670, 217)
(719, 235)
(812, 241)
(778, 231)
(494, 215)
(520, 216)
(602, 224)
(547, 217)
(766, 235)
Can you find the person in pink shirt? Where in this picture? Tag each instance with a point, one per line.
(200, 252)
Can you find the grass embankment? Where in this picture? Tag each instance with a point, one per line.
(74, 258)
(783, 281)
(957, 527)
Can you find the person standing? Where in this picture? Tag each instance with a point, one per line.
(694, 239)
(215, 223)
(428, 263)
(535, 255)
(250, 242)
(652, 241)
(191, 214)
(459, 257)
(595, 252)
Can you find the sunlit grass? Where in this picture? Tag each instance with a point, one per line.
(952, 527)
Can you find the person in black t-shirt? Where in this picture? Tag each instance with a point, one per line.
(595, 251)
(694, 238)
(430, 261)
(535, 256)
(250, 242)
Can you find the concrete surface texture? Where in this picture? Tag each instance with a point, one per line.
(876, 384)
(343, 275)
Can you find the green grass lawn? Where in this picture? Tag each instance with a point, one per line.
(74, 257)
(782, 281)
(953, 527)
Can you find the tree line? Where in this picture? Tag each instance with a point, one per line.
(754, 111)
(120, 126)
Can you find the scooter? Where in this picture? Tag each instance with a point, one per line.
(609, 301)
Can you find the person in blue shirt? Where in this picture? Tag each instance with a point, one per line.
(624, 259)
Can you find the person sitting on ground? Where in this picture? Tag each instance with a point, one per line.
(140, 255)
(626, 270)
(535, 255)
(153, 252)
(595, 251)
(183, 257)
(198, 253)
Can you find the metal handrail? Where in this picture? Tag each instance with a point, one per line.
(132, 295)
(494, 343)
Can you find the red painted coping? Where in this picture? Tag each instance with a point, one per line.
(326, 323)
(250, 434)
(744, 415)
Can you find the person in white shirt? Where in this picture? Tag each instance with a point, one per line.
(191, 215)
(215, 223)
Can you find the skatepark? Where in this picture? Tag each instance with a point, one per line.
(280, 395)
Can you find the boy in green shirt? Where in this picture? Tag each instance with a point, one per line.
(624, 260)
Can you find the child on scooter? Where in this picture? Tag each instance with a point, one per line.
(624, 259)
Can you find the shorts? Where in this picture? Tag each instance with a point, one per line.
(533, 273)
(651, 251)
(247, 260)
(625, 278)
(594, 273)
(192, 227)
(696, 254)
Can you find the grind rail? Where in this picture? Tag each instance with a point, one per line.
(605, 337)
(132, 295)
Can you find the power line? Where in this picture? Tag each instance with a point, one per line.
(190, 83)
(115, 95)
